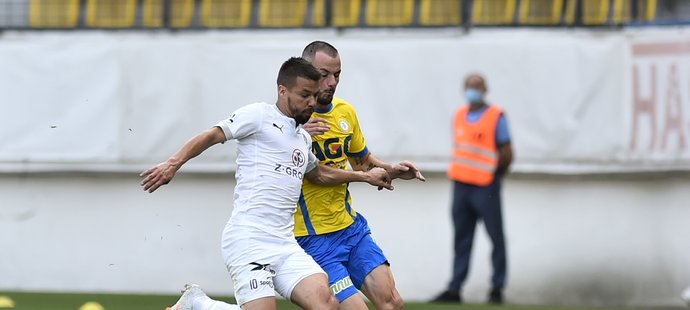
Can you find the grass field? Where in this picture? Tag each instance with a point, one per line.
(52, 301)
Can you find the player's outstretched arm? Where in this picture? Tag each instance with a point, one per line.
(325, 175)
(405, 170)
(162, 173)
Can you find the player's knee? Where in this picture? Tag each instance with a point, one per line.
(391, 301)
(396, 302)
(324, 301)
(332, 302)
(328, 302)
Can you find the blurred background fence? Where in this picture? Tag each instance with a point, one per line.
(238, 14)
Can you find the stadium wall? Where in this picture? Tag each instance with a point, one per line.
(596, 209)
(574, 240)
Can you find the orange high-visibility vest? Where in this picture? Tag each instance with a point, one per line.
(475, 155)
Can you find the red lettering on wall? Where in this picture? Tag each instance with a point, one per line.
(674, 110)
(642, 106)
(659, 127)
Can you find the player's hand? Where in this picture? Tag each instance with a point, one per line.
(157, 176)
(406, 170)
(316, 126)
(379, 177)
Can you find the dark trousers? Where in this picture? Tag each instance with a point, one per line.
(472, 203)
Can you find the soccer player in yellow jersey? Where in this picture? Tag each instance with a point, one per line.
(326, 224)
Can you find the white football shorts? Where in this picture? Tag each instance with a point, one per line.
(261, 264)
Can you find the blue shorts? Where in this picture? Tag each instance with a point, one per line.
(347, 256)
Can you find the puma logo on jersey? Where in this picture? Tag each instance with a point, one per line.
(279, 127)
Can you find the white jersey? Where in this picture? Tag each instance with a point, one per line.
(273, 154)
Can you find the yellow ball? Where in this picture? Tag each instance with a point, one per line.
(6, 302)
(91, 305)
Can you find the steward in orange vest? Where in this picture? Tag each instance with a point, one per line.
(475, 156)
(482, 153)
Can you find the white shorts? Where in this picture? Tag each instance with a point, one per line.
(261, 264)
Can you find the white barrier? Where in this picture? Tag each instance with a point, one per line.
(570, 241)
(577, 101)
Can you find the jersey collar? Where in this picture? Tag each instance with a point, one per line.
(324, 110)
(289, 119)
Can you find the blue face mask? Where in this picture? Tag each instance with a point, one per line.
(473, 95)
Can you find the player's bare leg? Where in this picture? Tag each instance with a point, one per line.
(265, 303)
(379, 287)
(354, 302)
(313, 293)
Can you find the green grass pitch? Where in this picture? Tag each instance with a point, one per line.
(56, 301)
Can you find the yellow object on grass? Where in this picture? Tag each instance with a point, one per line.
(91, 305)
(6, 302)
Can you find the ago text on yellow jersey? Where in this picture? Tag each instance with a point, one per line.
(327, 208)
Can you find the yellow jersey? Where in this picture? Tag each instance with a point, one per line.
(327, 208)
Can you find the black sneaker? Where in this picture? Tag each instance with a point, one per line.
(496, 296)
(448, 297)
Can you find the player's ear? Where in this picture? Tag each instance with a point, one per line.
(282, 90)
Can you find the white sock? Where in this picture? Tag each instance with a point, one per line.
(206, 303)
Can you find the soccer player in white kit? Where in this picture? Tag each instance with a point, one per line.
(273, 156)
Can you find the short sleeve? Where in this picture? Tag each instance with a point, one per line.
(356, 145)
(312, 161)
(502, 132)
(242, 123)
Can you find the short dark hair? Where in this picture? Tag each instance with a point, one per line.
(318, 46)
(296, 67)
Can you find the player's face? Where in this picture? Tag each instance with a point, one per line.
(330, 75)
(301, 99)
